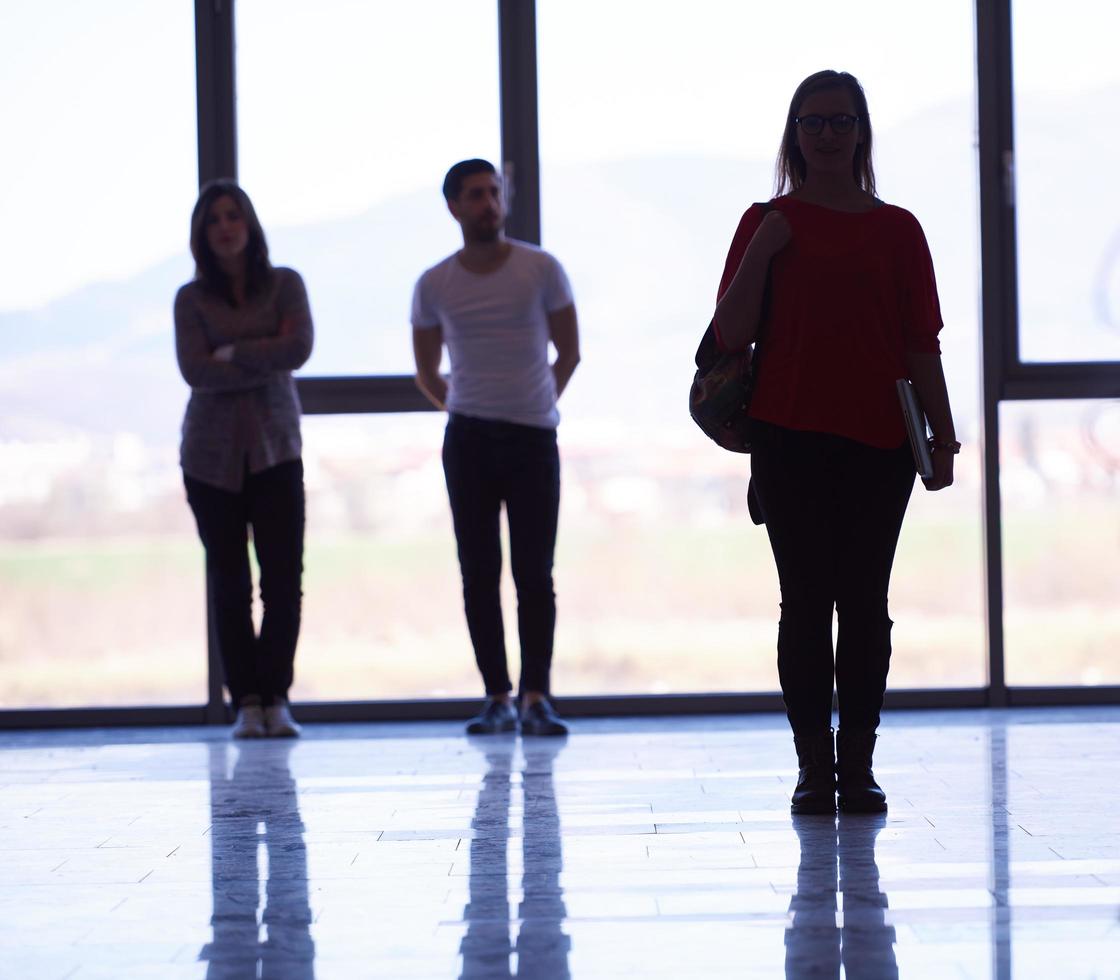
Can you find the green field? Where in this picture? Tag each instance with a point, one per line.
(117, 621)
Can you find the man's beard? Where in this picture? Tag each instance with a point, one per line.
(486, 232)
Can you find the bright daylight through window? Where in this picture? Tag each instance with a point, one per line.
(100, 570)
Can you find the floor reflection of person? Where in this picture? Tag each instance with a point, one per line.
(541, 945)
(486, 946)
(258, 803)
(839, 860)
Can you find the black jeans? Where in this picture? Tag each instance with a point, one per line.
(487, 463)
(834, 509)
(272, 504)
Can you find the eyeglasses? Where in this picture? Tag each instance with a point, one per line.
(841, 123)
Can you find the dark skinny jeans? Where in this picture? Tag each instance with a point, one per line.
(271, 503)
(488, 463)
(834, 510)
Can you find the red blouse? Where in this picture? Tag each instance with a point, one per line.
(849, 295)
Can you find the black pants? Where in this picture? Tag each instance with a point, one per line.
(487, 463)
(833, 510)
(272, 504)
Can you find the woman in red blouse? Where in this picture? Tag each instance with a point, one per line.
(853, 307)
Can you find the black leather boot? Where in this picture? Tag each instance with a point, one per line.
(816, 777)
(856, 788)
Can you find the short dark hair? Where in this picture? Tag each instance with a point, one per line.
(453, 182)
(258, 269)
(791, 167)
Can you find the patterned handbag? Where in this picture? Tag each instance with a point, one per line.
(721, 394)
(722, 386)
(720, 397)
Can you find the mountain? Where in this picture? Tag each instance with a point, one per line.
(643, 241)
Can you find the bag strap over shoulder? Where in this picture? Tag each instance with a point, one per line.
(767, 207)
(708, 353)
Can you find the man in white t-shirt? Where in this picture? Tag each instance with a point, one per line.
(496, 304)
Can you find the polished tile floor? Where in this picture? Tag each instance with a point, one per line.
(635, 848)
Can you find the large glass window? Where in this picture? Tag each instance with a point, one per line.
(100, 571)
(1067, 81)
(349, 114)
(650, 152)
(1059, 480)
(382, 613)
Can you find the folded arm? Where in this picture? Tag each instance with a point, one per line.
(291, 346)
(197, 364)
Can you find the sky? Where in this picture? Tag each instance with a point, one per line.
(351, 102)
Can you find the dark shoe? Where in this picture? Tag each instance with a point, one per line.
(855, 782)
(816, 777)
(497, 717)
(540, 718)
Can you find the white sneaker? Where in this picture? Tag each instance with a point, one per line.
(250, 722)
(279, 722)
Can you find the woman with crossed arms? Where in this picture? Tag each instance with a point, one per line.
(241, 328)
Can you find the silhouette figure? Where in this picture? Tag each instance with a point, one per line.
(241, 327)
(497, 304)
(837, 291)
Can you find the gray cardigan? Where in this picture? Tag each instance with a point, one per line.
(243, 415)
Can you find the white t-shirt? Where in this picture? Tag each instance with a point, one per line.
(495, 326)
